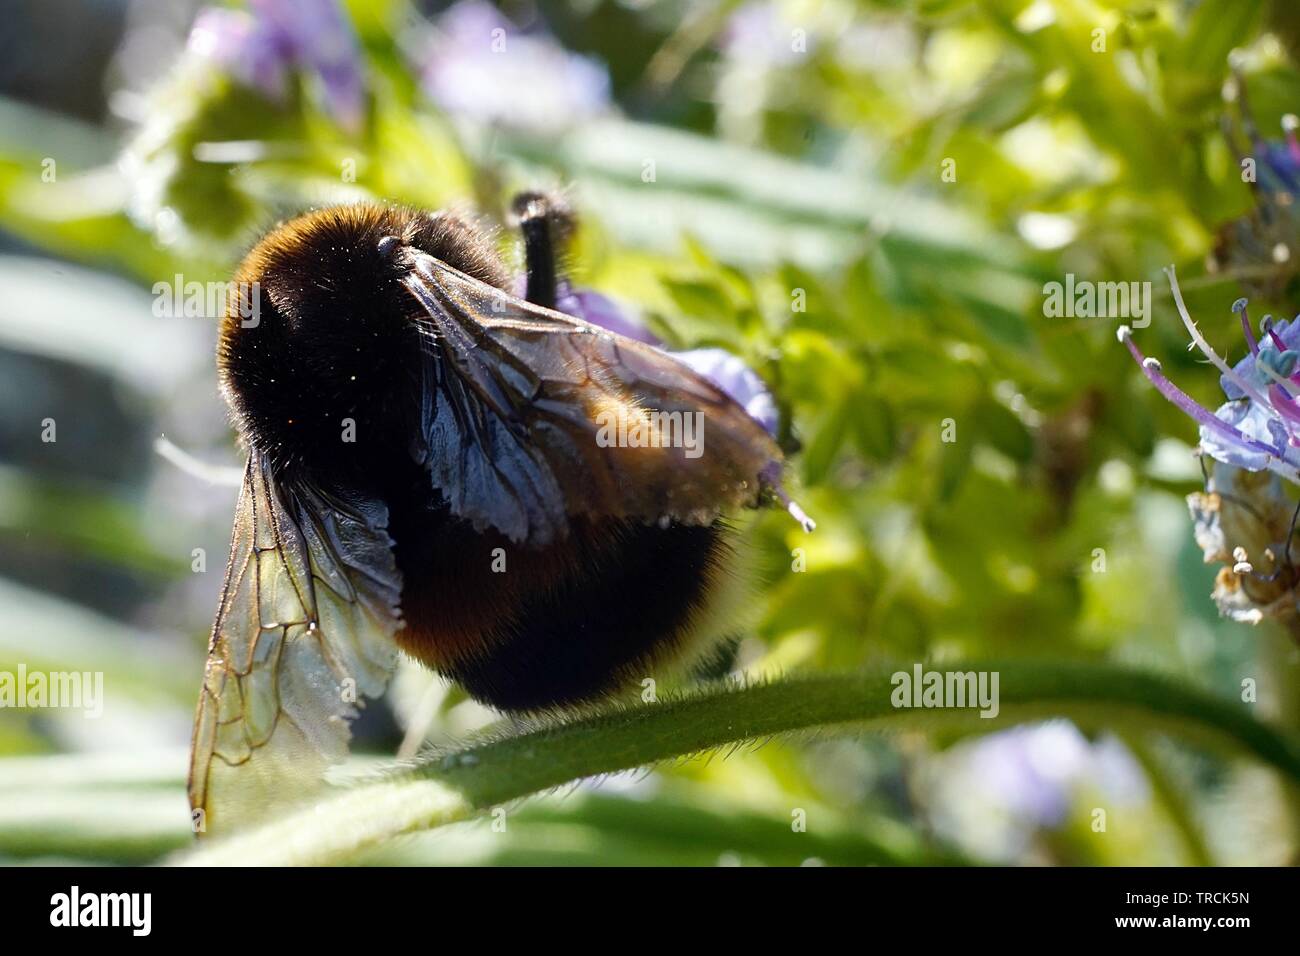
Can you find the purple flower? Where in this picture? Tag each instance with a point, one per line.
(233, 41)
(1244, 519)
(1261, 246)
(1277, 161)
(1281, 161)
(756, 33)
(259, 50)
(1259, 426)
(1034, 773)
(481, 67)
(735, 378)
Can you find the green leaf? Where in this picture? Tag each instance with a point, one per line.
(826, 443)
(875, 430)
(701, 299)
(1000, 427)
(954, 464)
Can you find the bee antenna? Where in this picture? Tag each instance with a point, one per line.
(770, 478)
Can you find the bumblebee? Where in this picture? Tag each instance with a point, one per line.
(426, 473)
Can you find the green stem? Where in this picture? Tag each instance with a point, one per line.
(446, 788)
(1177, 804)
(1277, 653)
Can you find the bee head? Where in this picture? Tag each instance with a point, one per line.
(318, 352)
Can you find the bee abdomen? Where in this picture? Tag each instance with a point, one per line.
(610, 606)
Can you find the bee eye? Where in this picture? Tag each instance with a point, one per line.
(388, 246)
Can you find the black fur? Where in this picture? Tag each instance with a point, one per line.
(333, 347)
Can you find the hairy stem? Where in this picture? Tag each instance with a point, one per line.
(449, 787)
(1176, 801)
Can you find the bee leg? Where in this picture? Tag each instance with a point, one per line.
(545, 222)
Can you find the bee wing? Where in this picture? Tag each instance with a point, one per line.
(304, 631)
(532, 416)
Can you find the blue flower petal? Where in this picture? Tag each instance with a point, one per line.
(735, 378)
(1288, 332)
(1253, 422)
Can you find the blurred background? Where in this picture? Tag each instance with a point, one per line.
(862, 199)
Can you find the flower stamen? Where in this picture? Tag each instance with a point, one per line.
(1240, 308)
(1199, 341)
(1152, 370)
